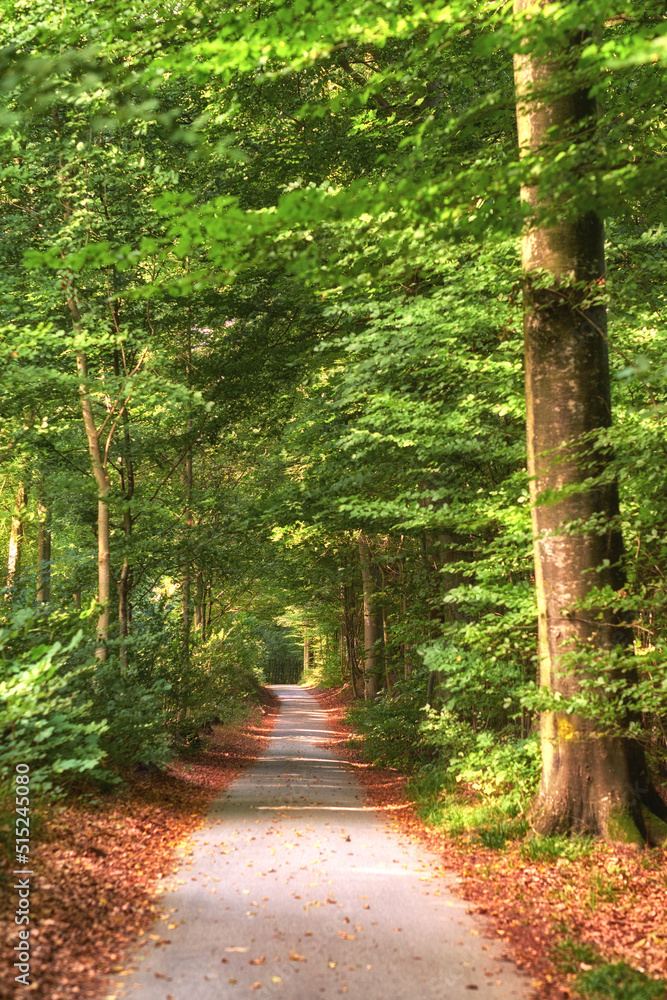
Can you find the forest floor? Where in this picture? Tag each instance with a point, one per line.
(98, 863)
(555, 914)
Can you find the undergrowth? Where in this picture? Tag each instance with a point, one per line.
(595, 979)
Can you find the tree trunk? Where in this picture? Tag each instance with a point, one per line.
(127, 483)
(186, 568)
(200, 604)
(43, 553)
(590, 782)
(371, 633)
(103, 489)
(98, 461)
(187, 482)
(16, 539)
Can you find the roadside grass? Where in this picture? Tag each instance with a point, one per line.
(593, 978)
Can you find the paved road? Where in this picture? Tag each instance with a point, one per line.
(297, 889)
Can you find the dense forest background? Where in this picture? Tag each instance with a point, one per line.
(261, 304)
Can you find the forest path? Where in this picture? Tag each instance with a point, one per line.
(299, 888)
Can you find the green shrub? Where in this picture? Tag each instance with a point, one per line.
(446, 732)
(509, 771)
(46, 698)
(479, 688)
(218, 681)
(392, 725)
(132, 710)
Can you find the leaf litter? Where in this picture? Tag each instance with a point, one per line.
(98, 865)
(613, 899)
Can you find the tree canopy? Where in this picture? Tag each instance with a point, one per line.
(262, 293)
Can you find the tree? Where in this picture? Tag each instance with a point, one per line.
(591, 781)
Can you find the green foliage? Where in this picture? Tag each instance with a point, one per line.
(391, 727)
(133, 714)
(442, 804)
(220, 678)
(452, 736)
(285, 241)
(46, 703)
(476, 687)
(509, 770)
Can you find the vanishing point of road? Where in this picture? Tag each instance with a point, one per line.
(298, 889)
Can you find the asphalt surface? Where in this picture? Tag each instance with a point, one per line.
(298, 889)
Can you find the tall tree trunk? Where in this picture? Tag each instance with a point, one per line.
(103, 490)
(590, 782)
(186, 569)
(98, 461)
(342, 634)
(43, 552)
(186, 572)
(371, 632)
(200, 604)
(16, 539)
(124, 585)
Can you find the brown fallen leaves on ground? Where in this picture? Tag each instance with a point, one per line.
(98, 867)
(613, 899)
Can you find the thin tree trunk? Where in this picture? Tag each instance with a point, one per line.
(16, 539)
(98, 461)
(127, 483)
(187, 481)
(342, 649)
(103, 489)
(43, 553)
(187, 566)
(370, 622)
(200, 604)
(590, 782)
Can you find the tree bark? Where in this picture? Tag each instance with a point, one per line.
(590, 782)
(16, 539)
(124, 585)
(98, 461)
(200, 604)
(371, 632)
(186, 567)
(43, 553)
(103, 489)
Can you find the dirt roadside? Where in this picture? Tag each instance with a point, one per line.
(98, 864)
(613, 900)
